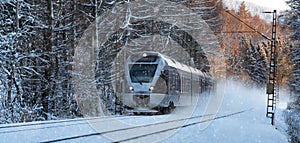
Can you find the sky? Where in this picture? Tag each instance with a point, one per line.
(274, 4)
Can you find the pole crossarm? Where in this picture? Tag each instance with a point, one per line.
(236, 32)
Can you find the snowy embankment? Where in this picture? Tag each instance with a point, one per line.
(248, 124)
(248, 127)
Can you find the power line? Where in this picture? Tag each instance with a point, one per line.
(254, 30)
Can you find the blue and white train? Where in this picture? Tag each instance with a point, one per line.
(157, 83)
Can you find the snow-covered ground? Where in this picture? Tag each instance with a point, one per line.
(250, 126)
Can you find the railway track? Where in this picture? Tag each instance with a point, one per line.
(141, 131)
(11, 128)
(49, 122)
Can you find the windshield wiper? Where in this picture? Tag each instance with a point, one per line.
(141, 83)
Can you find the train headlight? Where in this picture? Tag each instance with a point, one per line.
(131, 88)
(144, 55)
(151, 88)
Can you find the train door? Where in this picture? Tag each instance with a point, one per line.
(173, 86)
(178, 86)
(185, 95)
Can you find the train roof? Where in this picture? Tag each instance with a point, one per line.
(173, 63)
(178, 65)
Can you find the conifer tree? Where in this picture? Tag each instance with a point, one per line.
(293, 110)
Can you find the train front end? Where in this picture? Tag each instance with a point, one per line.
(142, 72)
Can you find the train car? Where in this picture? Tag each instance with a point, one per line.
(158, 83)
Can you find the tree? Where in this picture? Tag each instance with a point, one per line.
(37, 44)
(293, 22)
(16, 70)
(58, 35)
(293, 110)
(255, 63)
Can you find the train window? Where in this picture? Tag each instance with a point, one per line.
(173, 61)
(142, 73)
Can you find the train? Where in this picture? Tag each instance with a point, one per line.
(157, 83)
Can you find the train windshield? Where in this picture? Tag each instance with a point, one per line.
(142, 73)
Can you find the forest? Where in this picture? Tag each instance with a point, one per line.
(39, 40)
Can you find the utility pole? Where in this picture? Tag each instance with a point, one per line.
(271, 86)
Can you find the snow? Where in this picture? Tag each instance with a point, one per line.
(250, 126)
